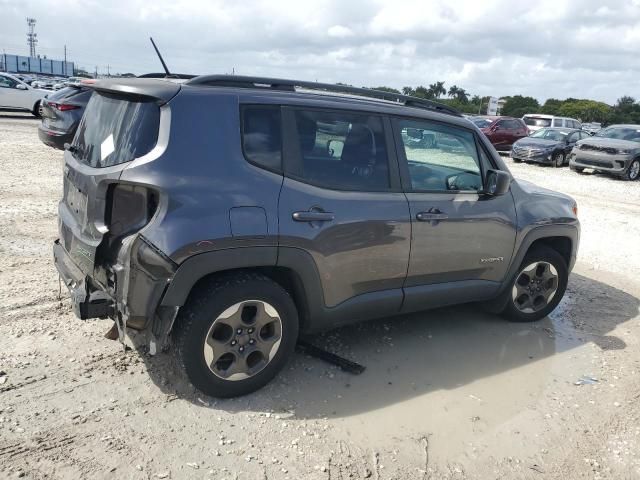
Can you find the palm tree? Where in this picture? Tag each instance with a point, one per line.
(461, 95)
(453, 91)
(437, 89)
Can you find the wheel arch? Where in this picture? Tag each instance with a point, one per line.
(296, 273)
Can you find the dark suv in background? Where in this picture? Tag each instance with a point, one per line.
(237, 213)
(502, 132)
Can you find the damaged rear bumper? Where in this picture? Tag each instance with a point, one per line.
(135, 284)
(87, 301)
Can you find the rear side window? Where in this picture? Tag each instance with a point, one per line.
(557, 122)
(262, 136)
(116, 130)
(343, 150)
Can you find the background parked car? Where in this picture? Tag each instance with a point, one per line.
(17, 95)
(592, 128)
(536, 121)
(615, 149)
(550, 146)
(61, 114)
(502, 132)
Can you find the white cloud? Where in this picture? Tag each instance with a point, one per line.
(549, 48)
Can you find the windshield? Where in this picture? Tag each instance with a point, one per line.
(537, 121)
(481, 122)
(548, 134)
(620, 133)
(114, 130)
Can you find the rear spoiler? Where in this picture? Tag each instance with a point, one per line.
(159, 90)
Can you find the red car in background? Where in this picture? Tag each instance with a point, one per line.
(502, 132)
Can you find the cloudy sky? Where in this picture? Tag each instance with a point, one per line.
(543, 48)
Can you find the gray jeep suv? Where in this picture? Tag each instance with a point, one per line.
(233, 214)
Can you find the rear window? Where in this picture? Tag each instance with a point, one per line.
(114, 130)
(537, 121)
(66, 92)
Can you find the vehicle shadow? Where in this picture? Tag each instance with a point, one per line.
(17, 115)
(410, 355)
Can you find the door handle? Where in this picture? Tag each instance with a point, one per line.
(431, 215)
(313, 216)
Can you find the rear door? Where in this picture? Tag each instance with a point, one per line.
(458, 234)
(114, 131)
(342, 203)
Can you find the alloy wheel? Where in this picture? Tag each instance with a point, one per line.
(634, 170)
(243, 340)
(535, 287)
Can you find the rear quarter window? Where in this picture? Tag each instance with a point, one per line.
(116, 130)
(262, 136)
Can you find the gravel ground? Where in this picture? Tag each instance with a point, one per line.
(452, 393)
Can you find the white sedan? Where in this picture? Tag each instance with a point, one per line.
(17, 95)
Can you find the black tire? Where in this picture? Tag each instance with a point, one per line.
(577, 169)
(537, 254)
(633, 172)
(557, 160)
(516, 160)
(36, 112)
(201, 310)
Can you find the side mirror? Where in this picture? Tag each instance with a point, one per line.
(497, 183)
(496, 128)
(21, 86)
(334, 148)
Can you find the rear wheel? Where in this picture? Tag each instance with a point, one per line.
(538, 286)
(235, 334)
(633, 172)
(557, 160)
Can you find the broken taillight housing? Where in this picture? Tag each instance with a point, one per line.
(130, 207)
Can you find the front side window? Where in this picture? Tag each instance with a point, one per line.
(6, 82)
(440, 157)
(262, 137)
(342, 150)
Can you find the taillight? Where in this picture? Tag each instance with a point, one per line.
(130, 208)
(63, 107)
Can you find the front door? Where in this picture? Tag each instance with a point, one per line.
(458, 234)
(10, 95)
(342, 203)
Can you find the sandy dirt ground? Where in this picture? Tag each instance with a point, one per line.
(452, 394)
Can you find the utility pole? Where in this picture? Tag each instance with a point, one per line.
(108, 71)
(65, 60)
(32, 37)
(96, 75)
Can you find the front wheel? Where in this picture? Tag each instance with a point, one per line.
(235, 334)
(633, 172)
(538, 286)
(557, 160)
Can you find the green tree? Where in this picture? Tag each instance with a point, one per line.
(517, 106)
(408, 91)
(551, 106)
(585, 110)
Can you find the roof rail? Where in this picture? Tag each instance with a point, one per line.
(239, 81)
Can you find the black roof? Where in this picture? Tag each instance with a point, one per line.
(279, 84)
